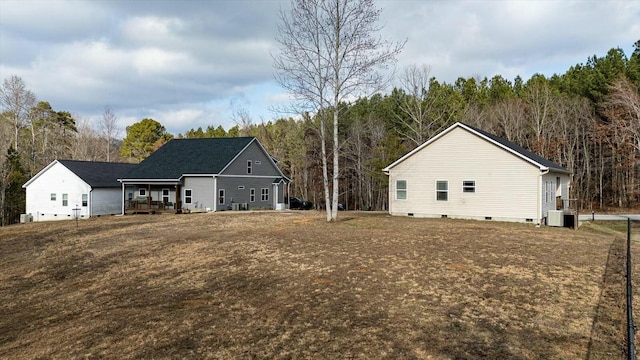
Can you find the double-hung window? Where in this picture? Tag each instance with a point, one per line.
(85, 199)
(264, 194)
(221, 196)
(249, 167)
(442, 190)
(65, 200)
(252, 195)
(187, 196)
(401, 189)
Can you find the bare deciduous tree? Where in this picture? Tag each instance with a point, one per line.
(109, 128)
(328, 55)
(16, 100)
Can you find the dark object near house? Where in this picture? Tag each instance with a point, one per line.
(299, 204)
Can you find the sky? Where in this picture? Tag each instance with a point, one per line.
(195, 63)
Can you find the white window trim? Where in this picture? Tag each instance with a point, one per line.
(403, 190)
(65, 199)
(264, 194)
(142, 192)
(249, 167)
(221, 197)
(442, 191)
(53, 196)
(240, 187)
(85, 200)
(252, 195)
(190, 197)
(469, 187)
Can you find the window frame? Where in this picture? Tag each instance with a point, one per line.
(249, 167)
(142, 192)
(264, 194)
(188, 199)
(65, 199)
(400, 190)
(167, 196)
(442, 191)
(221, 196)
(53, 196)
(85, 200)
(469, 186)
(252, 195)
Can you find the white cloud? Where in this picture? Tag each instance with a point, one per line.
(186, 63)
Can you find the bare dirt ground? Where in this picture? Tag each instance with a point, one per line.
(287, 285)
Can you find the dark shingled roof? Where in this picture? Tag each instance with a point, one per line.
(98, 174)
(189, 156)
(520, 150)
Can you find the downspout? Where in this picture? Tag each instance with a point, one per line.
(544, 172)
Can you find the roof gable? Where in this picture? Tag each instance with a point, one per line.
(190, 156)
(97, 174)
(526, 155)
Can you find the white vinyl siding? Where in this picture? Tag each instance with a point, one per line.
(509, 183)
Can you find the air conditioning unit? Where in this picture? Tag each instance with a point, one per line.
(235, 206)
(25, 218)
(555, 218)
(245, 206)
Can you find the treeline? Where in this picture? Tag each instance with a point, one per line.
(587, 119)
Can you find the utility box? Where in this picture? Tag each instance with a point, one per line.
(555, 218)
(25, 218)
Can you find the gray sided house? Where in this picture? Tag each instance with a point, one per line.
(64, 185)
(213, 174)
(464, 172)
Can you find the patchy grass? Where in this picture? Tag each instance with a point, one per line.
(287, 285)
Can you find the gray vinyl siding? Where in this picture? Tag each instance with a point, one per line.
(507, 186)
(202, 193)
(254, 153)
(105, 201)
(235, 195)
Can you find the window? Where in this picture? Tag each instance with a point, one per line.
(264, 195)
(258, 162)
(241, 187)
(85, 199)
(65, 200)
(221, 196)
(249, 169)
(53, 196)
(252, 195)
(142, 192)
(165, 196)
(187, 196)
(130, 196)
(401, 189)
(469, 186)
(442, 190)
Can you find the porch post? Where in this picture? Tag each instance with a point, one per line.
(123, 198)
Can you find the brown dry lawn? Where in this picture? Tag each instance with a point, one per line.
(287, 285)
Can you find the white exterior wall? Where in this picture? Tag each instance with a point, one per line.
(203, 193)
(506, 186)
(59, 180)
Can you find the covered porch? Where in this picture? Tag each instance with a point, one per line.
(151, 198)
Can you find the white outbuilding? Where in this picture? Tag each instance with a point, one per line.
(64, 185)
(464, 172)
